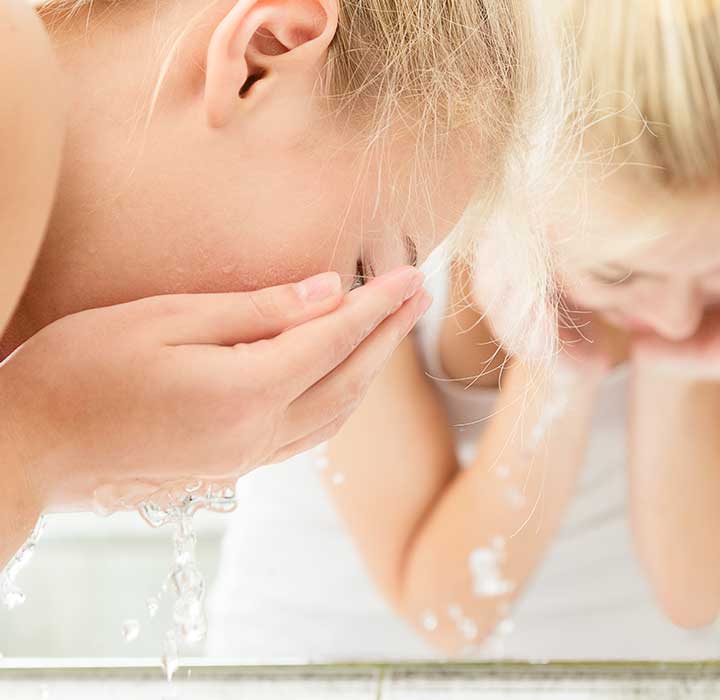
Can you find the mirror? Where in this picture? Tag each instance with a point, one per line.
(495, 498)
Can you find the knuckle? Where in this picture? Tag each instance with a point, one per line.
(271, 303)
(354, 389)
(346, 342)
(162, 305)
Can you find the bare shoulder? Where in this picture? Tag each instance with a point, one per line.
(32, 126)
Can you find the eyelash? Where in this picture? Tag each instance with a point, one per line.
(616, 281)
(360, 277)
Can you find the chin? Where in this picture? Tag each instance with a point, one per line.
(619, 319)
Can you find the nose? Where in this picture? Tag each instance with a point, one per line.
(676, 310)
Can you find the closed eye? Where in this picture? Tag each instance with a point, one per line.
(614, 278)
(360, 278)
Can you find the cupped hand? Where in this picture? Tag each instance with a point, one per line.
(199, 386)
(697, 358)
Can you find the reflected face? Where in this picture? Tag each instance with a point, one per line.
(649, 260)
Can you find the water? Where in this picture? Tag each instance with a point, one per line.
(429, 621)
(153, 605)
(466, 626)
(484, 562)
(10, 594)
(170, 659)
(516, 498)
(175, 506)
(130, 630)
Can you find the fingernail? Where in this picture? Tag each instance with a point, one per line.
(424, 303)
(415, 283)
(319, 287)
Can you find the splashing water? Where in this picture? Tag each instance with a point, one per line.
(429, 621)
(153, 605)
(320, 453)
(11, 596)
(466, 626)
(169, 660)
(130, 630)
(175, 506)
(488, 581)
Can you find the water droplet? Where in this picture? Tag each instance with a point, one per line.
(130, 630)
(498, 543)
(487, 577)
(193, 486)
(429, 621)
(466, 453)
(169, 660)
(516, 497)
(455, 612)
(338, 478)
(468, 628)
(153, 605)
(10, 595)
(322, 462)
(503, 471)
(506, 627)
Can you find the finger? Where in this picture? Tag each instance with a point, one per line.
(341, 391)
(308, 352)
(245, 317)
(321, 435)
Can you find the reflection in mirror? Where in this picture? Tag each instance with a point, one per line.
(533, 474)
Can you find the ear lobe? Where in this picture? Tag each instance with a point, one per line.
(253, 38)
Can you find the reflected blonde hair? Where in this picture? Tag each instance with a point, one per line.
(652, 71)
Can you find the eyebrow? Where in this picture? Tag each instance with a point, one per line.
(411, 249)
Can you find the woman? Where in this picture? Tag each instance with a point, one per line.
(540, 520)
(534, 535)
(206, 147)
(55, 445)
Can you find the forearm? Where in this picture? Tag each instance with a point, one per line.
(417, 518)
(507, 506)
(675, 491)
(21, 505)
(20, 508)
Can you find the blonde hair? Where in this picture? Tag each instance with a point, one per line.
(651, 69)
(492, 64)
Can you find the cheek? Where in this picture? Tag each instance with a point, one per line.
(589, 294)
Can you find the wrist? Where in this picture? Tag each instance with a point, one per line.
(667, 371)
(23, 495)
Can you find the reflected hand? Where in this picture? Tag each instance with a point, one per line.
(697, 358)
(206, 385)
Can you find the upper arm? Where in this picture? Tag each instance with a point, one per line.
(396, 454)
(31, 136)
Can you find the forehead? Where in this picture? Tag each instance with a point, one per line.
(643, 226)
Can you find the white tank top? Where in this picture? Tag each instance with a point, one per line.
(291, 585)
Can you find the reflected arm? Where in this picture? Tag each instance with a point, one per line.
(417, 518)
(675, 490)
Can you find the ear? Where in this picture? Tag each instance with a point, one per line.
(257, 38)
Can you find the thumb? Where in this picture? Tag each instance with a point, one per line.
(246, 317)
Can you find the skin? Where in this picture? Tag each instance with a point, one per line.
(428, 515)
(276, 194)
(663, 294)
(140, 316)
